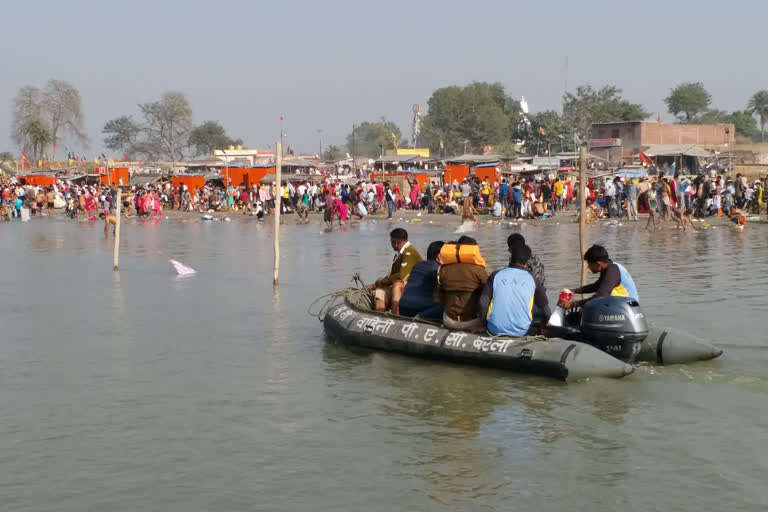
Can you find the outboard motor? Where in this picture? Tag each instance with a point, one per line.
(615, 325)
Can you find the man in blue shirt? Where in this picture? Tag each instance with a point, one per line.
(503, 192)
(510, 295)
(517, 201)
(417, 297)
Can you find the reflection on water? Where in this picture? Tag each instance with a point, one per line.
(141, 390)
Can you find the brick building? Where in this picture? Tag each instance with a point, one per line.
(622, 141)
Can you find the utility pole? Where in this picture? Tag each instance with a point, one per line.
(282, 118)
(583, 211)
(117, 224)
(353, 148)
(320, 136)
(278, 199)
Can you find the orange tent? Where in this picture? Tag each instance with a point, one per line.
(115, 175)
(247, 176)
(38, 180)
(421, 177)
(192, 181)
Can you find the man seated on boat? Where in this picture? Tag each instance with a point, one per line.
(510, 295)
(418, 296)
(460, 279)
(389, 289)
(614, 279)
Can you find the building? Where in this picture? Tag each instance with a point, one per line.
(621, 142)
(235, 155)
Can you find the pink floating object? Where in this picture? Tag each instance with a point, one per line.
(182, 269)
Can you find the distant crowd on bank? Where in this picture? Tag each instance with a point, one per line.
(662, 197)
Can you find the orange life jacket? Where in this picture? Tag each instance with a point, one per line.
(464, 253)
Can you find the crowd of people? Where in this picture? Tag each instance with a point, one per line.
(673, 197)
(453, 287)
(676, 197)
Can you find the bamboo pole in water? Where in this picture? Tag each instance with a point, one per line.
(119, 203)
(583, 210)
(278, 198)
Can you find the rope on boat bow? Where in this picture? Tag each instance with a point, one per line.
(356, 294)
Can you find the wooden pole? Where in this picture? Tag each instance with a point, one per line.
(278, 198)
(117, 224)
(583, 210)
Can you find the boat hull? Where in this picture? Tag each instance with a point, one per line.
(554, 357)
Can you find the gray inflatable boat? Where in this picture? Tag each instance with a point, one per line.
(554, 357)
(612, 335)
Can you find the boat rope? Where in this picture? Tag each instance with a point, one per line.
(357, 294)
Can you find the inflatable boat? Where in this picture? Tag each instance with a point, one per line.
(568, 354)
(557, 358)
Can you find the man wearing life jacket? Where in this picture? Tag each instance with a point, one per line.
(460, 279)
(614, 279)
(510, 295)
(389, 288)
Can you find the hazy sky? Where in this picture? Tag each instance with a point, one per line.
(327, 64)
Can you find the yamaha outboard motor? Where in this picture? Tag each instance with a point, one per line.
(615, 325)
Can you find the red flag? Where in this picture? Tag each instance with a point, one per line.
(645, 159)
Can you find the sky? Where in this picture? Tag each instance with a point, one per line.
(326, 65)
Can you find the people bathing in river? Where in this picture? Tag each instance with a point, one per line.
(389, 289)
(614, 279)
(108, 219)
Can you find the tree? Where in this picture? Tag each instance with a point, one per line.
(63, 109)
(5, 157)
(758, 106)
(744, 123)
(59, 107)
(688, 101)
(548, 129)
(26, 107)
(588, 106)
(478, 114)
(167, 125)
(332, 153)
(371, 139)
(163, 133)
(122, 134)
(209, 136)
(36, 135)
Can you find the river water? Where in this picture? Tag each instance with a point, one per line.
(143, 391)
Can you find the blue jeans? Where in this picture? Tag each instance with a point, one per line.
(389, 208)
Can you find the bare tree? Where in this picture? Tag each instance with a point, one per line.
(162, 133)
(26, 107)
(62, 107)
(167, 125)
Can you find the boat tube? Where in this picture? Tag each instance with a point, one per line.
(618, 326)
(672, 346)
(554, 357)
